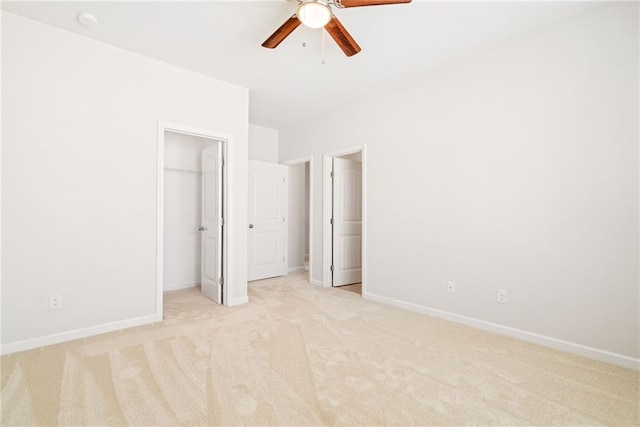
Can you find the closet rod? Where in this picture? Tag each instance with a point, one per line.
(182, 170)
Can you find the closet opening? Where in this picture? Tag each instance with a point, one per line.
(191, 220)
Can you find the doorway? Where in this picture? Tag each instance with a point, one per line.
(191, 243)
(300, 207)
(344, 235)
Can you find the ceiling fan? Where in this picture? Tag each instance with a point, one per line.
(318, 14)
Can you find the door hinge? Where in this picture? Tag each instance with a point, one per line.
(282, 258)
(331, 174)
(282, 219)
(222, 222)
(332, 268)
(331, 221)
(222, 161)
(221, 281)
(284, 179)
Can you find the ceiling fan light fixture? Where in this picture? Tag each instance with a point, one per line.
(314, 13)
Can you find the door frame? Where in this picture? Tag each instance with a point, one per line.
(293, 162)
(327, 204)
(224, 139)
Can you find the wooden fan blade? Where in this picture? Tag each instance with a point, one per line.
(360, 3)
(281, 33)
(342, 37)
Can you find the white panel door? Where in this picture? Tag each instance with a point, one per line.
(347, 222)
(211, 228)
(267, 231)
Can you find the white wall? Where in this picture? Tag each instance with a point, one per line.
(297, 222)
(79, 179)
(182, 209)
(515, 169)
(356, 157)
(263, 144)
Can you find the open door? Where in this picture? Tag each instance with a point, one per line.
(267, 220)
(211, 277)
(347, 222)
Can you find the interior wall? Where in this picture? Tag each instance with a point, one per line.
(514, 169)
(297, 222)
(79, 186)
(356, 157)
(182, 209)
(263, 143)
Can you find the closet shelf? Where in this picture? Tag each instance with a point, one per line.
(182, 170)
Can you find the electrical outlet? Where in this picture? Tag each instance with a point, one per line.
(451, 287)
(501, 296)
(55, 301)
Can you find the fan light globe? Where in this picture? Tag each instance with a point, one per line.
(314, 14)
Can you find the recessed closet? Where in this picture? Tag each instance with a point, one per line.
(183, 209)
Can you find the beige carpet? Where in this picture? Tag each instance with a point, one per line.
(355, 288)
(299, 355)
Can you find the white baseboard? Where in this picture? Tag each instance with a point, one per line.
(315, 282)
(298, 269)
(558, 344)
(75, 334)
(178, 286)
(238, 301)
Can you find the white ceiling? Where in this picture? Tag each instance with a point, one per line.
(290, 83)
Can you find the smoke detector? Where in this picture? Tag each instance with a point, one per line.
(88, 20)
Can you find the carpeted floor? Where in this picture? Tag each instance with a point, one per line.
(355, 288)
(299, 355)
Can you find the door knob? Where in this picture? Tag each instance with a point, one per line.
(202, 228)
(250, 225)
